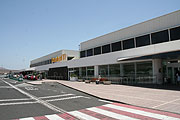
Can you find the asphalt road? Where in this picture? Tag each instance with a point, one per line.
(20, 100)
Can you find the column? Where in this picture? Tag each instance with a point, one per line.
(96, 71)
(157, 70)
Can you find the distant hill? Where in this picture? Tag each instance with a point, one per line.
(4, 70)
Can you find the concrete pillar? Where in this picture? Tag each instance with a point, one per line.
(96, 71)
(121, 70)
(157, 70)
(80, 72)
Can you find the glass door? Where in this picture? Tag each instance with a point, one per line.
(172, 78)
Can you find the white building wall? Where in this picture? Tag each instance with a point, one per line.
(153, 25)
(111, 58)
(71, 53)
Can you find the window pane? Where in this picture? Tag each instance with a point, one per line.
(83, 54)
(76, 71)
(127, 44)
(143, 40)
(97, 50)
(106, 48)
(116, 46)
(144, 69)
(175, 33)
(83, 72)
(103, 70)
(90, 52)
(90, 71)
(160, 37)
(114, 70)
(129, 69)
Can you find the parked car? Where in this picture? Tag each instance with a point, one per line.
(31, 77)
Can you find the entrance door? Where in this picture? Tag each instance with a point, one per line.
(171, 74)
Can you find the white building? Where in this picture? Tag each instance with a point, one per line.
(148, 52)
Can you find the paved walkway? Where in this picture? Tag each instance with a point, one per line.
(166, 100)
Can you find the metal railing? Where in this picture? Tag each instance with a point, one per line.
(118, 80)
(127, 79)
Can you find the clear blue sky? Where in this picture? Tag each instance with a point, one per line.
(33, 28)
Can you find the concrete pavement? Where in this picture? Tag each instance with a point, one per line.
(166, 100)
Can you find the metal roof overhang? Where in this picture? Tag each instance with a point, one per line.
(165, 55)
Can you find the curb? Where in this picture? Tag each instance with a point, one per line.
(114, 100)
(93, 95)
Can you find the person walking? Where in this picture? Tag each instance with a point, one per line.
(99, 78)
(178, 77)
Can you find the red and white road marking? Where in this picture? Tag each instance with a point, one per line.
(113, 111)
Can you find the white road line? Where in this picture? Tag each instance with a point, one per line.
(139, 112)
(54, 117)
(21, 99)
(56, 96)
(29, 118)
(5, 87)
(111, 114)
(50, 106)
(166, 103)
(83, 116)
(105, 101)
(67, 98)
(17, 103)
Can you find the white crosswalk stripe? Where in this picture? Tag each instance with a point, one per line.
(82, 115)
(54, 117)
(139, 112)
(29, 118)
(111, 114)
(115, 111)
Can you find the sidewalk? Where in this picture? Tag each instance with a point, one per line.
(166, 100)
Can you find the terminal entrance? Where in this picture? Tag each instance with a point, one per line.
(172, 70)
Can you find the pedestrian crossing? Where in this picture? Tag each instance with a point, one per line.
(113, 111)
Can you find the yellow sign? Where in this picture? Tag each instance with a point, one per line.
(59, 58)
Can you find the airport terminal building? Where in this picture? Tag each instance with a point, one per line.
(145, 53)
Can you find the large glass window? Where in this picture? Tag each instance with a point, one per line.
(103, 70)
(116, 46)
(175, 33)
(90, 71)
(90, 52)
(83, 71)
(129, 69)
(143, 40)
(106, 48)
(144, 69)
(114, 70)
(76, 71)
(83, 54)
(97, 50)
(127, 44)
(160, 37)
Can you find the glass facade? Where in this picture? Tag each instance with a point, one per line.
(76, 71)
(83, 54)
(90, 71)
(97, 50)
(89, 52)
(116, 46)
(175, 33)
(143, 40)
(103, 70)
(114, 70)
(127, 44)
(137, 72)
(144, 69)
(129, 69)
(106, 49)
(83, 72)
(160, 37)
